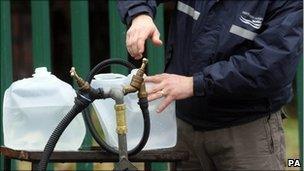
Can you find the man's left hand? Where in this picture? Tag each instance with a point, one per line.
(171, 87)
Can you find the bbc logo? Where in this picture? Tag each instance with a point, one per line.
(293, 163)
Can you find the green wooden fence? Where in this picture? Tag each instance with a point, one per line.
(6, 65)
(40, 16)
(42, 56)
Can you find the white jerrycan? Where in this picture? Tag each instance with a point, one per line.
(163, 133)
(33, 107)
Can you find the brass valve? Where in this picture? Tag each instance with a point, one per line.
(137, 79)
(83, 85)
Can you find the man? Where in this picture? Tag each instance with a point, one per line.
(229, 65)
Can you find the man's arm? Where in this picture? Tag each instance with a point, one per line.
(139, 14)
(264, 69)
(258, 73)
(128, 9)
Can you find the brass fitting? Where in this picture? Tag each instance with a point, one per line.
(83, 85)
(137, 79)
(121, 118)
(128, 89)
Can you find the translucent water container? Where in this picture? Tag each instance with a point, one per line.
(33, 107)
(163, 132)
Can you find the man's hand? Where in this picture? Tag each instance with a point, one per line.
(171, 87)
(142, 28)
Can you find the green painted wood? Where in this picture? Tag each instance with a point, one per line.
(156, 55)
(300, 107)
(81, 54)
(6, 65)
(41, 33)
(117, 38)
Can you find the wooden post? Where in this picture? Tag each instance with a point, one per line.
(41, 38)
(117, 38)
(6, 65)
(81, 54)
(41, 34)
(156, 55)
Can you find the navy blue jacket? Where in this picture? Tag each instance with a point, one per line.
(242, 55)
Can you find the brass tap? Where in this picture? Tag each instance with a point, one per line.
(83, 85)
(137, 79)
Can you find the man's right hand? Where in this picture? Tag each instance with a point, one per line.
(141, 29)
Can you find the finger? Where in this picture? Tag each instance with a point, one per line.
(155, 38)
(138, 45)
(164, 104)
(128, 41)
(134, 45)
(141, 41)
(156, 88)
(130, 50)
(154, 79)
(154, 96)
(141, 46)
(138, 57)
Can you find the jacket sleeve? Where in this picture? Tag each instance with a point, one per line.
(268, 67)
(128, 9)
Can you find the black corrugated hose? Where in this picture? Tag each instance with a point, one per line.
(143, 103)
(81, 102)
(49, 148)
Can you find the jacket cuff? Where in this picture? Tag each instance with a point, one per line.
(198, 84)
(142, 9)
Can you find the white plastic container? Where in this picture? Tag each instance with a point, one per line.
(33, 107)
(163, 132)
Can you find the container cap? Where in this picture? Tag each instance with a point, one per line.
(41, 72)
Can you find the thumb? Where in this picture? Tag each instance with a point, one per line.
(155, 38)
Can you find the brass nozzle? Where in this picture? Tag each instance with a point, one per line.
(83, 85)
(129, 89)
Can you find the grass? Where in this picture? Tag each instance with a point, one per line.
(292, 140)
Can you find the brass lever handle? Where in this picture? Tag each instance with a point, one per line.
(143, 65)
(137, 79)
(83, 85)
